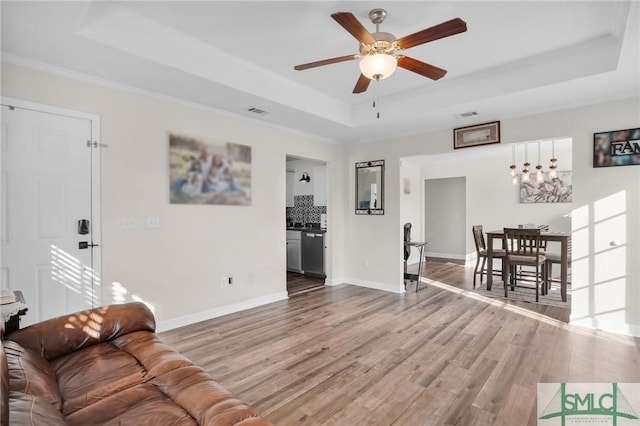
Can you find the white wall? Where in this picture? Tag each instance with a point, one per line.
(411, 204)
(298, 167)
(177, 268)
(606, 293)
(445, 207)
(492, 200)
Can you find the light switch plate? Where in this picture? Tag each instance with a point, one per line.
(153, 222)
(128, 223)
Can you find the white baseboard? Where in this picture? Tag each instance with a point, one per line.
(220, 311)
(610, 326)
(446, 255)
(364, 283)
(334, 281)
(375, 285)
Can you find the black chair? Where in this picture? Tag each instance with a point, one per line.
(481, 253)
(407, 248)
(407, 253)
(523, 249)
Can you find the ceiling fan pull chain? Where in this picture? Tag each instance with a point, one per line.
(375, 96)
(376, 104)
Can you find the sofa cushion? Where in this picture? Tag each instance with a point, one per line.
(206, 400)
(142, 404)
(86, 376)
(97, 371)
(31, 410)
(152, 353)
(63, 335)
(31, 374)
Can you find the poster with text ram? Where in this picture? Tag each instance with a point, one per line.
(208, 172)
(616, 148)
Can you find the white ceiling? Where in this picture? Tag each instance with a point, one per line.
(517, 58)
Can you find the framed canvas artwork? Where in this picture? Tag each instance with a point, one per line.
(208, 172)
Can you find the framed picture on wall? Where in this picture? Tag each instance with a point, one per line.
(556, 189)
(616, 148)
(208, 172)
(479, 134)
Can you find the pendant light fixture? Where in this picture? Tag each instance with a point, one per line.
(514, 173)
(553, 163)
(525, 175)
(525, 172)
(539, 174)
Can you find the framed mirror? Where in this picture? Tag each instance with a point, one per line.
(370, 187)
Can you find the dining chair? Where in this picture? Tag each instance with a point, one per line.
(523, 249)
(551, 258)
(481, 253)
(525, 272)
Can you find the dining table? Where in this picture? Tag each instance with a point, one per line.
(546, 236)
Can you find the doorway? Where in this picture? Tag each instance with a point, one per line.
(50, 208)
(445, 217)
(306, 224)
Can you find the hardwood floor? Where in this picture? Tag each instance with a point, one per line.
(300, 283)
(453, 273)
(348, 355)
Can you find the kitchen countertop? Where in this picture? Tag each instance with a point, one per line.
(305, 229)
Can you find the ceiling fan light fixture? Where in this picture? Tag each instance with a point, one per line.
(378, 66)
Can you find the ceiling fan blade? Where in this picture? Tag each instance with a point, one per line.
(446, 29)
(351, 24)
(362, 84)
(325, 62)
(421, 68)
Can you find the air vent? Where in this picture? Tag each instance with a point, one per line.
(257, 111)
(466, 114)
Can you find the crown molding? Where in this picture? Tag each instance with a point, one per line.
(12, 59)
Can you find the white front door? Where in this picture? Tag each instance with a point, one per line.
(46, 194)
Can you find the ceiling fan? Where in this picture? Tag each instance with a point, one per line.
(379, 51)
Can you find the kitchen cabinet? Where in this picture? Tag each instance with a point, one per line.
(319, 180)
(294, 258)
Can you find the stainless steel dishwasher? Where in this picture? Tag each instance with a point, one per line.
(313, 253)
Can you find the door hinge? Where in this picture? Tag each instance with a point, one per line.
(95, 144)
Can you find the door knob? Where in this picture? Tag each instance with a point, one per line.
(85, 244)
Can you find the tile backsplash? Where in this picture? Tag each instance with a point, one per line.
(303, 210)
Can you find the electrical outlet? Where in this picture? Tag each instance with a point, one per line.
(226, 281)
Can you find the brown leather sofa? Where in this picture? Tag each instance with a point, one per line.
(107, 366)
